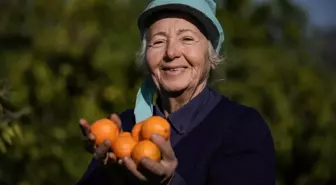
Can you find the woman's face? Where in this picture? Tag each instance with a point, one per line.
(177, 54)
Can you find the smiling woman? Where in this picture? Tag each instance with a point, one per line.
(213, 139)
(177, 57)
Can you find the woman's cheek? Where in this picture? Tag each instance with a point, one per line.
(153, 60)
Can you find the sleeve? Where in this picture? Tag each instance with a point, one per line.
(92, 174)
(177, 180)
(249, 158)
(102, 175)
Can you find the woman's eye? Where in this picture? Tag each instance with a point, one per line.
(187, 39)
(157, 43)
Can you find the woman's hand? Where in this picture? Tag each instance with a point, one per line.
(102, 153)
(150, 170)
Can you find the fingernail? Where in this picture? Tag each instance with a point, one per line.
(144, 159)
(155, 136)
(107, 143)
(91, 137)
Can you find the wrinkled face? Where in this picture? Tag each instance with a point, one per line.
(177, 54)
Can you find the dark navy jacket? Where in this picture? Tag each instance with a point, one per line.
(216, 142)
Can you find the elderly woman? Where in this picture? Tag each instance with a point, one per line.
(213, 140)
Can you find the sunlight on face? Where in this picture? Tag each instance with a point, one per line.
(176, 54)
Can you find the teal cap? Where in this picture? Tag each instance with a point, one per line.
(204, 11)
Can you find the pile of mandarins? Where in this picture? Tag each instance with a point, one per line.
(135, 144)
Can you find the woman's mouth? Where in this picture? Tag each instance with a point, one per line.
(173, 70)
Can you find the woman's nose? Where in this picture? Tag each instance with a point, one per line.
(172, 51)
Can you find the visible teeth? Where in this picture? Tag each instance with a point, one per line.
(175, 69)
(172, 69)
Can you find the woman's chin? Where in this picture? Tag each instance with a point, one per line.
(174, 88)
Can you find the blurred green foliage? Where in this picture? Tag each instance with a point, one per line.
(63, 60)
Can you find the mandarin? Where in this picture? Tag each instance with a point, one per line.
(104, 129)
(155, 125)
(145, 148)
(123, 145)
(124, 134)
(136, 131)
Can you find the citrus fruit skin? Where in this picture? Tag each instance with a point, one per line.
(124, 134)
(104, 129)
(155, 125)
(123, 146)
(146, 148)
(136, 131)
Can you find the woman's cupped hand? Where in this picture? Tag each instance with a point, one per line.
(147, 170)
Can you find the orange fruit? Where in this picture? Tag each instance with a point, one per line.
(124, 134)
(136, 131)
(104, 129)
(155, 125)
(123, 146)
(146, 148)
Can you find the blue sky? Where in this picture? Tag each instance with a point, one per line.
(320, 12)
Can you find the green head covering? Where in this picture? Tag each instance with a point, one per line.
(204, 11)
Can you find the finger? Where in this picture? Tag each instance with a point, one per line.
(120, 161)
(85, 127)
(87, 137)
(89, 147)
(111, 157)
(152, 166)
(132, 167)
(89, 143)
(165, 147)
(115, 118)
(101, 151)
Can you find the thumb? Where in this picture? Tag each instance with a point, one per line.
(165, 147)
(115, 118)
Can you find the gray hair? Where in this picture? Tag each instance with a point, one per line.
(213, 57)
